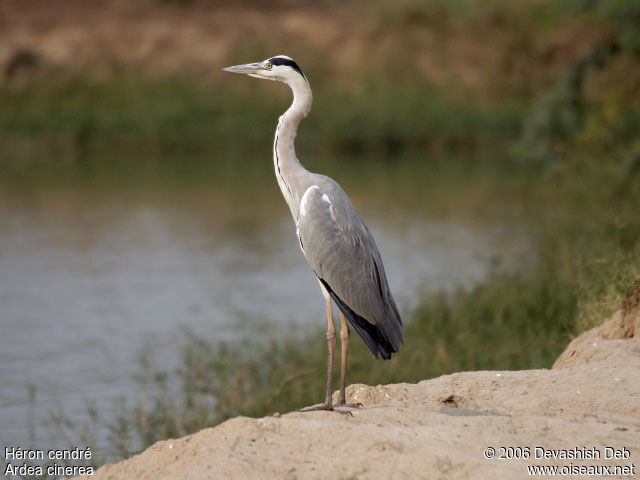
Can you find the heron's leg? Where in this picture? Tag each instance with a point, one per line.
(331, 343)
(344, 347)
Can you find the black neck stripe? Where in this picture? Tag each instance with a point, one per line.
(287, 61)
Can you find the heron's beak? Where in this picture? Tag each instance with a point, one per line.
(249, 68)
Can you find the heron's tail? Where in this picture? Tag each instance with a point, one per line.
(374, 338)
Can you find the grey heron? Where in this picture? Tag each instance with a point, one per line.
(333, 238)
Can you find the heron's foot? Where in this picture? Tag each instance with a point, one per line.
(348, 405)
(323, 407)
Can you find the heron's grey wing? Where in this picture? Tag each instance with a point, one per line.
(344, 256)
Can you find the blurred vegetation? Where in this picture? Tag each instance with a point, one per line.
(561, 158)
(567, 111)
(80, 120)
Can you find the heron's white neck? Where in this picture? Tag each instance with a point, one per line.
(289, 172)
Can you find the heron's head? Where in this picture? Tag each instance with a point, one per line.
(280, 67)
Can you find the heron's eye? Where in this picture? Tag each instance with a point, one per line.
(268, 65)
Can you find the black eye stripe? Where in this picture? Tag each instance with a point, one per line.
(285, 61)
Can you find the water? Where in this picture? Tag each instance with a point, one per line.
(87, 279)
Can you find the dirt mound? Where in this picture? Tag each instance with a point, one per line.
(590, 347)
(439, 428)
(600, 343)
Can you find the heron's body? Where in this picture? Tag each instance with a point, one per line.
(342, 253)
(333, 237)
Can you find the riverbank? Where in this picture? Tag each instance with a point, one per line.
(575, 415)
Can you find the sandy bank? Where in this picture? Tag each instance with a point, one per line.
(438, 428)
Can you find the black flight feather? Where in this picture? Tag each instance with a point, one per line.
(372, 336)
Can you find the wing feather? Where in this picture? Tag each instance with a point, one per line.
(343, 254)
